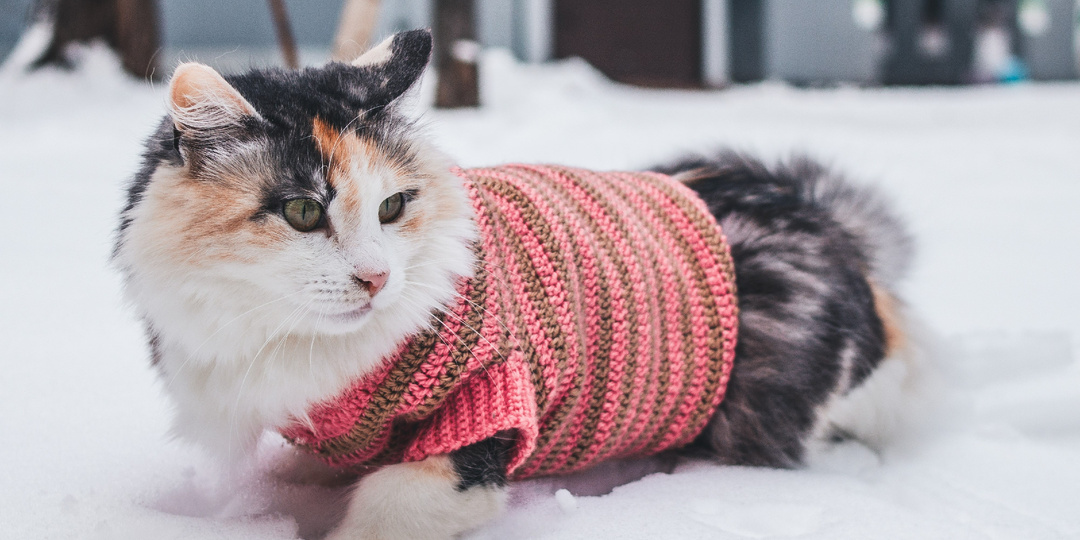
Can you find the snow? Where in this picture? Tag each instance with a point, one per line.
(988, 177)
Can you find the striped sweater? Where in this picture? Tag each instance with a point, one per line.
(600, 323)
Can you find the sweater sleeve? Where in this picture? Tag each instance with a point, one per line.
(494, 399)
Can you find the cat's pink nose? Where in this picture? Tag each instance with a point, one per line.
(371, 281)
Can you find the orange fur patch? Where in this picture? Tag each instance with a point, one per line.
(414, 225)
(888, 310)
(439, 467)
(326, 138)
(193, 83)
(196, 221)
(346, 153)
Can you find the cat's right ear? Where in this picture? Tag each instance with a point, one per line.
(201, 100)
(390, 68)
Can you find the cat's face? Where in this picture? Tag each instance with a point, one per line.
(297, 199)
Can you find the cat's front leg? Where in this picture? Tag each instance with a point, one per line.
(437, 498)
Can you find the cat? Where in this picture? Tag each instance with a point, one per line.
(305, 261)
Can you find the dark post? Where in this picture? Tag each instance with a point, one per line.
(284, 33)
(130, 27)
(137, 35)
(910, 61)
(455, 51)
(746, 40)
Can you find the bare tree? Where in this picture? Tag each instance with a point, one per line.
(455, 54)
(357, 24)
(130, 27)
(284, 33)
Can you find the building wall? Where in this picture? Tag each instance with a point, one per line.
(815, 42)
(243, 28)
(1052, 55)
(213, 23)
(13, 15)
(802, 41)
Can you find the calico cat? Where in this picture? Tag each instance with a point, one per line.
(306, 262)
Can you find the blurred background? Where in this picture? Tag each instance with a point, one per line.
(965, 113)
(673, 43)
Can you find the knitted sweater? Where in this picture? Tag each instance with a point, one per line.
(600, 323)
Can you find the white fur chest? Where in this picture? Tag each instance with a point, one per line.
(232, 383)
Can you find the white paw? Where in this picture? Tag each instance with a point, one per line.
(416, 501)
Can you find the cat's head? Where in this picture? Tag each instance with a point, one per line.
(298, 201)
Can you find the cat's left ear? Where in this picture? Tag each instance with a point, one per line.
(392, 67)
(201, 100)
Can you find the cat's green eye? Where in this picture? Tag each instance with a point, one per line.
(303, 214)
(390, 209)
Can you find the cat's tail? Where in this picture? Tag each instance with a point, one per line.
(862, 211)
(896, 398)
(893, 397)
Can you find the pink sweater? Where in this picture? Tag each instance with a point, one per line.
(601, 323)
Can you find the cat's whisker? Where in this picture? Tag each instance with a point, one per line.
(338, 140)
(473, 330)
(285, 338)
(311, 348)
(172, 377)
(297, 314)
(486, 311)
(238, 317)
(193, 255)
(438, 335)
(487, 264)
(494, 348)
(273, 334)
(423, 265)
(466, 298)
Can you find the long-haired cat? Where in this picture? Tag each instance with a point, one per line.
(305, 262)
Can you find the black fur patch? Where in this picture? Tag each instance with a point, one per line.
(346, 97)
(808, 327)
(482, 464)
(155, 346)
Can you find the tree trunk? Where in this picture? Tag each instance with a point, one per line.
(455, 54)
(130, 27)
(284, 33)
(357, 23)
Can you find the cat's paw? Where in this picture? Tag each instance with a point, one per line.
(299, 467)
(417, 501)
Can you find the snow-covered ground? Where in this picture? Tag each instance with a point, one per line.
(989, 177)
